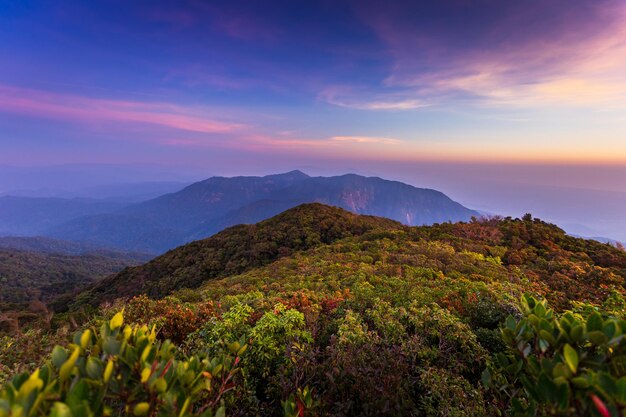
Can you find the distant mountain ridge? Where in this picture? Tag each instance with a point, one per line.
(27, 216)
(206, 207)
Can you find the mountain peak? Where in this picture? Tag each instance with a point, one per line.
(295, 174)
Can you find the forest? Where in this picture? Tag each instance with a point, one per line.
(320, 312)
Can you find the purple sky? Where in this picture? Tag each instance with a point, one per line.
(477, 91)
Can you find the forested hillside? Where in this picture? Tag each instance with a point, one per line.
(235, 250)
(30, 281)
(320, 312)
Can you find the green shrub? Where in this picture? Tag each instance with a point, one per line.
(564, 365)
(122, 369)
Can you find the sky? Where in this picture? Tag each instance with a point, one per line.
(464, 95)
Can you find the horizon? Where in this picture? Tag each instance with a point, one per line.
(555, 201)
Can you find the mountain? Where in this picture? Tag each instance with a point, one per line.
(235, 250)
(27, 216)
(206, 207)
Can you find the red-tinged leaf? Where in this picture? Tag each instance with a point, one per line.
(600, 406)
(167, 367)
(300, 406)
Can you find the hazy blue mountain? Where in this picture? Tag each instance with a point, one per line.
(31, 216)
(121, 230)
(362, 195)
(206, 207)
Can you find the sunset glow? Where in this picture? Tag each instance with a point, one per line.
(455, 81)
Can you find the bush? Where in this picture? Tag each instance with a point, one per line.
(122, 369)
(173, 319)
(563, 365)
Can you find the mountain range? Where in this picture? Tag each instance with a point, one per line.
(206, 207)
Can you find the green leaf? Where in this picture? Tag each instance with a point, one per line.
(486, 378)
(594, 322)
(540, 310)
(580, 382)
(60, 410)
(576, 334)
(597, 337)
(59, 356)
(94, 368)
(545, 335)
(571, 357)
(620, 390)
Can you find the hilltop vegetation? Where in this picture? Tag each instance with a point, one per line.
(319, 312)
(235, 250)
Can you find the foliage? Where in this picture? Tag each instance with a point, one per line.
(27, 277)
(173, 320)
(560, 365)
(347, 315)
(235, 250)
(122, 369)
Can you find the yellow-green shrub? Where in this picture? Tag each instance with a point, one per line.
(122, 369)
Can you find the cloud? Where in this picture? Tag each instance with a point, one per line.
(515, 53)
(369, 100)
(78, 109)
(365, 139)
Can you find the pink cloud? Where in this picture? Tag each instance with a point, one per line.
(524, 59)
(80, 109)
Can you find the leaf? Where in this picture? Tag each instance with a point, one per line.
(600, 406)
(597, 337)
(540, 310)
(66, 368)
(108, 371)
(85, 338)
(571, 357)
(117, 321)
(563, 396)
(59, 356)
(594, 322)
(94, 368)
(620, 390)
(486, 378)
(577, 333)
(545, 335)
(141, 409)
(60, 409)
(580, 382)
(32, 383)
